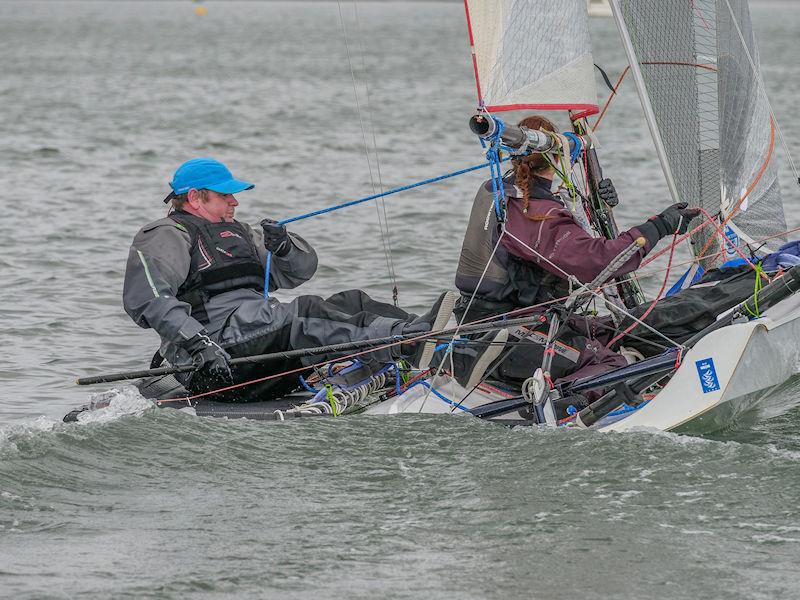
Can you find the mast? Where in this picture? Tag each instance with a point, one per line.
(602, 216)
(649, 115)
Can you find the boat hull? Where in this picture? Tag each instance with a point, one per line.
(726, 375)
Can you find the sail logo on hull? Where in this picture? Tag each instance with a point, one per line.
(731, 241)
(708, 375)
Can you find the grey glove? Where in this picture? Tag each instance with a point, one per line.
(276, 238)
(607, 192)
(209, 359)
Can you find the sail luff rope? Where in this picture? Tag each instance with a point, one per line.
(762, 87)
(474, 56)
(364, 138)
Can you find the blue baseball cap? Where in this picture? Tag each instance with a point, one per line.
(205, 174)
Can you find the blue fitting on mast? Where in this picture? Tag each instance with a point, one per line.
(576, 151)
(494, 160)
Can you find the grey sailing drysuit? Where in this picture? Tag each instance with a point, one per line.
(185, 274)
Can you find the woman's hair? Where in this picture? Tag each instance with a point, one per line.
(526, 167)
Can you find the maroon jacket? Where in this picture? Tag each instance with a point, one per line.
(561, 240)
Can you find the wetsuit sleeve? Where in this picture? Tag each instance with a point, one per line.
(294, 268)
(557, 243)
(158, 263)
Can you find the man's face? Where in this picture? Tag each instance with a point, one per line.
(215, 207)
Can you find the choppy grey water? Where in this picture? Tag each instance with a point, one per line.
(99, 102)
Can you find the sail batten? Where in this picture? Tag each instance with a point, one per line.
(520, 63)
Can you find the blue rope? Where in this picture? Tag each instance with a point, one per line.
(576, 151)
(442, 397)
(386, 193)
(266, 274)
(397, 378)
(494, 160)
(305, 384)
(411, 186)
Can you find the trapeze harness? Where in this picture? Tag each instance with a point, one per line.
(223, 258)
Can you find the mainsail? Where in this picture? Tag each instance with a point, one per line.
(532, 55)
(698, 60)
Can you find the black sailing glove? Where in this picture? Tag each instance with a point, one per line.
(209, 359)
(607, 192)
(276, 238)
(674, 219)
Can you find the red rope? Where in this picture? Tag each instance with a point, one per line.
(752, 185)
(654, 256)
(619, 336)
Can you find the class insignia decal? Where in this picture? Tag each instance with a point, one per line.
(227, 233)
(708, 375)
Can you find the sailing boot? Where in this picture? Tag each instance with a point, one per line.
(434, 320)
(569, 405)
(471, 361)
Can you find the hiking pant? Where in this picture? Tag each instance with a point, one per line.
(305, 322)
(311, 321)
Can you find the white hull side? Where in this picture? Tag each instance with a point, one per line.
(750, 360)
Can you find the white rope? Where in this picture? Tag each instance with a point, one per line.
(461, 321)
(383, 226)
(388, 238)
(594, 293)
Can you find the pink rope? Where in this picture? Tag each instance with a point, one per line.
(650, 308)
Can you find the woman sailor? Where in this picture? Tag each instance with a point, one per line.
(542, 244)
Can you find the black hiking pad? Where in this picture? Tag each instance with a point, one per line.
(682, 315)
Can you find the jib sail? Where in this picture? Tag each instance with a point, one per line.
(712, 115)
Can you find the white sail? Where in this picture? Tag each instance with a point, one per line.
(532, 55)
(712, 116)
(599, 8)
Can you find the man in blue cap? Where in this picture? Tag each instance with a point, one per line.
(197, 278)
